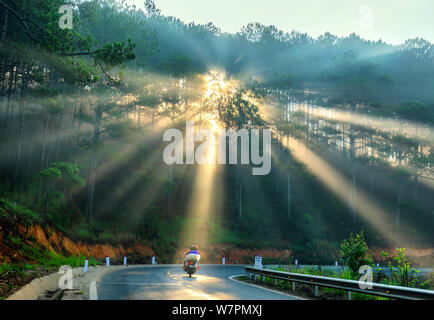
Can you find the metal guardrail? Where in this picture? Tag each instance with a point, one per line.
(382, 290)
(426, 272)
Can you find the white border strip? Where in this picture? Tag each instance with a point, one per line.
(254, 285)
(93, 295)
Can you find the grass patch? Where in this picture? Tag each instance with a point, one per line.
(57, 260)
(8, 267)
(27, 216)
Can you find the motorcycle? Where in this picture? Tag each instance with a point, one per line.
(191, 267)
(191, 263)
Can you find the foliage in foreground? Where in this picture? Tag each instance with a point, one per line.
(354, 252)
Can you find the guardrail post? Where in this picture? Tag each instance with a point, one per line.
(316, 291)
(86, 265)
(349, 295)
(293, 286)
(107, 261)
(275, 282)
(258, 262)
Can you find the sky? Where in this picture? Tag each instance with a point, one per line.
(393, 21)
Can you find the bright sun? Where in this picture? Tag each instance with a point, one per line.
(215, 83)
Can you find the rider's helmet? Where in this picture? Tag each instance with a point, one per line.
(193, 247)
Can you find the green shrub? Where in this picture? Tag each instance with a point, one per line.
(402, 273)
(354, 252)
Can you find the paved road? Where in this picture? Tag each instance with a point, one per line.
(212, 282)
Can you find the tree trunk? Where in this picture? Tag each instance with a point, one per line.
(48, 148)
(59, 130)
(138, 116)
(416, 188)
(91, 189)
(169, 197)
(30, 157)
(74, 115)
(288, 180)
(238, 199)
(398, 206)
(44, 141)
(6, 120)
(371, 164)
(240, 204)
(21, 114)
(353, 171)
(5, 26)
(8, 100)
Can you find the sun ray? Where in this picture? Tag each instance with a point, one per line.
(336, 182)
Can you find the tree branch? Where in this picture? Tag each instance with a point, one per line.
(78, 54)
(22, 20)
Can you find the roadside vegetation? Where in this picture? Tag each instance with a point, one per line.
(354, 254)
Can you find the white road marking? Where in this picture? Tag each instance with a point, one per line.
(141, 284)
(254, 285)
(93, 295)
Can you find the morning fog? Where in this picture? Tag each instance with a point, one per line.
(213, 149)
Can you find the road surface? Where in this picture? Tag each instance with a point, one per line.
(212, 282)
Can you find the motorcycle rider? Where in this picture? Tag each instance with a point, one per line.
(192, 256)
(193, 250)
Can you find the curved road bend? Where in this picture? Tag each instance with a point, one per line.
(169, 282)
